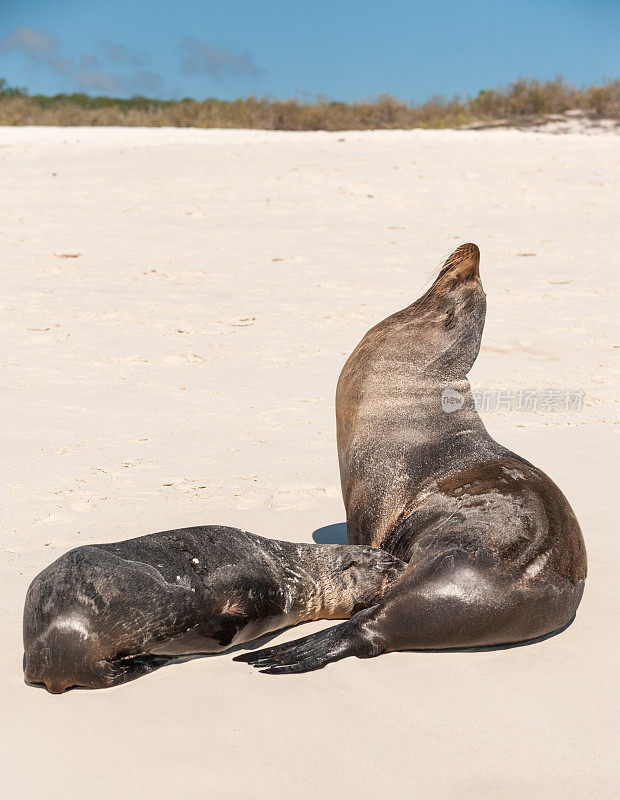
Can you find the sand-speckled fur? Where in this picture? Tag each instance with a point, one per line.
(103, 614)
(495, 554)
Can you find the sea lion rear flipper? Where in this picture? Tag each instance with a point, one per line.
(317, 650)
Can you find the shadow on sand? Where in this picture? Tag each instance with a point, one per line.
(331, 534)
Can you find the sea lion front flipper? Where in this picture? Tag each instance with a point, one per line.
(317, 650)
(211, 636)
(123, 670)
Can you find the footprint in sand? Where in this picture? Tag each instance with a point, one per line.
(248, 500)
(301, 497)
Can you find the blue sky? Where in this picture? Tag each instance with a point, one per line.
(339, 49)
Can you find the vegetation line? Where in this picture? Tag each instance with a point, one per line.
(525, 100)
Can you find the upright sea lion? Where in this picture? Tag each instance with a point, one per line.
(494, 552)
(103, 614)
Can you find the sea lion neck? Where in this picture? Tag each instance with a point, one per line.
(427, 407)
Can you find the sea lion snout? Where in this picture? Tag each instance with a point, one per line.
(463, 263)
(53, 660)
(468, 253)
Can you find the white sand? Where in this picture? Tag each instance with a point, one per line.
(181, 370)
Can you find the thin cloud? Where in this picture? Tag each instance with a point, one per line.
(144, 82)
(60, 65)
(202, 57)
(112, 70)
(118, 54)
(35, 44)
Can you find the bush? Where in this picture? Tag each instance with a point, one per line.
(524, 99)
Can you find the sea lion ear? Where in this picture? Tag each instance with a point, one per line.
(463, 262)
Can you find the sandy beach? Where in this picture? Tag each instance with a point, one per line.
(176, 307)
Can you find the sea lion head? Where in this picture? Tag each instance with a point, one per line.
(449, 318)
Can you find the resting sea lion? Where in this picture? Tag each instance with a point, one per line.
(494, 552)
(103, 614)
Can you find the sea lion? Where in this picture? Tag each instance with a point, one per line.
(103, 614)
(494, 552)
